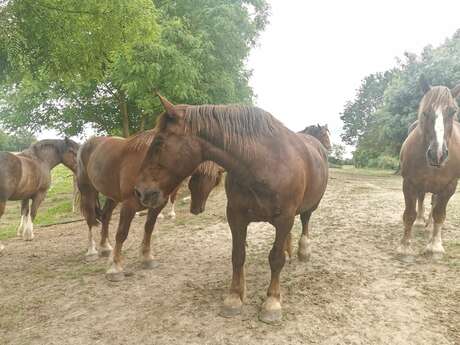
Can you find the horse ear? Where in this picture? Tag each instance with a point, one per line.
(424, 84)
(169, 107)
(456, 91)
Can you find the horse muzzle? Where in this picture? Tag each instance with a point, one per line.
(435, 157)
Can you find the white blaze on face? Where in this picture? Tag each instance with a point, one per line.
(439, 130)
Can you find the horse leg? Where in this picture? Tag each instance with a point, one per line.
(410, 197)
(24, 214)
(288, 247)
(148, 261)
(2, 210)
(235, 298)
(304, 250)
(420, 220)
(115, 271)
(435, 247)
(429, 220)
(271, 308)
(37, 199)
(172, 199)
(104, 247)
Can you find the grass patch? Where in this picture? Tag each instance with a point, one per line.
(364, 171)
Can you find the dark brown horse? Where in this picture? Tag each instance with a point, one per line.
(110, 165)
(26, 176)
(272, 175)
(430, 162)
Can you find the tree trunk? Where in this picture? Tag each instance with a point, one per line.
(124, 112)
(142, 126)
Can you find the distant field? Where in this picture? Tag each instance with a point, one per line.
(57, 206)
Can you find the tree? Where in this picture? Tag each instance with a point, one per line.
(68, 63)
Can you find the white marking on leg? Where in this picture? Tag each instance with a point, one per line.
(1, 247)
(91, 244)
(21, 226)
(28, 234)
(172, 213)
(304, 252)
(439, 130)
(435, 244)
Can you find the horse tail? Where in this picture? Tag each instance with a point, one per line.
(90, 206)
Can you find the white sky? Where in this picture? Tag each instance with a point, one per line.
(313, 54)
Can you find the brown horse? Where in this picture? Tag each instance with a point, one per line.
(273, 174)
(110, 165)
(319, 132)
(26, 176)
(430, 162)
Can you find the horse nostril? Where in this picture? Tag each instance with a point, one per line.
(137, 193)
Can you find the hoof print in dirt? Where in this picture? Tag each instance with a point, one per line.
(228, 312)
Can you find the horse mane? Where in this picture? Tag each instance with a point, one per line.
(437, 96)
(231, 126)
(208, 168)
(55, 144)
(312, 130)
(140, 141)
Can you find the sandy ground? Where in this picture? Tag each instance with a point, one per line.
(354, 290)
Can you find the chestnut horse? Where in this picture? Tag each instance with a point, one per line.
(430, 162)
(110, 165)
(26, 176)
(319, 132)
(272, 175)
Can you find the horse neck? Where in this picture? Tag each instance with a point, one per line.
(49, 157)
(231, 161)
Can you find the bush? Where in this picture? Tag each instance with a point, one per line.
(384, 162)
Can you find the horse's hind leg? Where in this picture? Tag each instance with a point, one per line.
(410, 198)
(24, 214)
(235, 298)
(304, 251)
(420, 220)
(105, 248)
(2, 210)
(127, 213)
(435, 247)
(271, 308)
(148, 261)
(172, 199)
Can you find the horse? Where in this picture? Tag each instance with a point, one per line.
(430, 163)
(27, 176)
(110, 165)
(321, 133)
(273, 174)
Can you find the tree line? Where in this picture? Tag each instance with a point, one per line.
(386, 103)
(67, 63)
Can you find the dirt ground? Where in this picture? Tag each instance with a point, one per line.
(354, 290)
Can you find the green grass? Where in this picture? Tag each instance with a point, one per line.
(56, 207)
(364, 171)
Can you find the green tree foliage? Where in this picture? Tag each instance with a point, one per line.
(16, 142)
(66, 63)
(376, 121)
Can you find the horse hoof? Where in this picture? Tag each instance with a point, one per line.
(91, 257)
(271, 316)
(160, 216)
(28, 237)
(232, 306)
(230, 311)
(105, 253)
(149, 265)
(303, 257)
(115, 276)
(2, 247)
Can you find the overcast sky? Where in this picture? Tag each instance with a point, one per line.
(313, 54)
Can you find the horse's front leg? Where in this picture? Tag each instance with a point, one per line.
(410, 198)
(115, 271)
(271, 308)
(148, 262)
(104, 247)
(434, 247)
(235, 298)
(25, 210)
(37, 199)
(420, 219)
